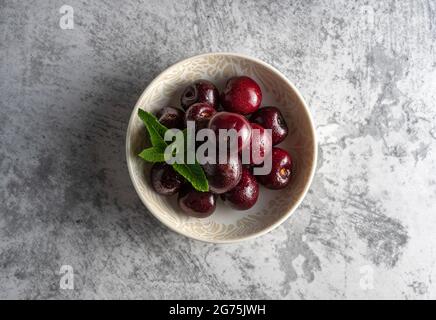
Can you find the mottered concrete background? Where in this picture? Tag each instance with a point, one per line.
(365, 230)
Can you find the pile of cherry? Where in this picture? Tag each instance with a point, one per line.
(233, 181)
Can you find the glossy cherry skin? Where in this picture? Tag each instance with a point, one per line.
(164, 179)
(223, 177)
(195, 203)
(281, 170)
(200, 91)
(241, 95)
(260, 144)
(171, 117)
(245, 194)
(271, 118)
(200, 113)
(229, 120)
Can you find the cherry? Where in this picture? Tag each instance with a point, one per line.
(271, 118)
(245, 194)
(229, 120)
(223, 177)
(171, 117)
(281, 170)
(260, 144)
(200, 91)
(195, 203)
(164, 179)
(241, 95)
(200, 113)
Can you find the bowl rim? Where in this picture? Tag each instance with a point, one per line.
(290, 210)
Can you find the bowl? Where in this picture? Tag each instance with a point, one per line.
(273, 206)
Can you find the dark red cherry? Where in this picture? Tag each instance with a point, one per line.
(229, 120)
(171, 117)
(260, 144)
(195, 203)
(200, 113)
(200, 91)
(164, 179)
(281, 170)
(245, 194)
(241, 95)
(271, 118)
(223, 177)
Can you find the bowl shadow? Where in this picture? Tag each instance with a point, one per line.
(103, 181)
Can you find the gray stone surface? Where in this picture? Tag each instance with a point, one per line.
(368, 72)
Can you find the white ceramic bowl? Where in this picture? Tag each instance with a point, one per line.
(272, 207)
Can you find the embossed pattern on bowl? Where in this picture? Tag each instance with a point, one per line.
(273, 207)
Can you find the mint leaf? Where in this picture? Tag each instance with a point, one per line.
(153, 154)
(194, 174)
(150, 119)
(155, 129)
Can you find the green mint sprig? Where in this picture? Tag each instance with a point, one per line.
(153, 154)
(192, 172)
(155, 129)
